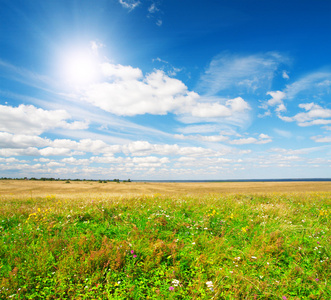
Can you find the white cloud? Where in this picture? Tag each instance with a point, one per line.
(30, 151)
(155, 94)
(27, 119)
(205, 138)
(285, 75)
(262, 139)
(249, 72)
(144, 148)
(310, 85)
(150, 161)
(283, 133)
(275, 101)
(129, 4)
(152, 9)
(50, 151)
(314, 115)
(54, 164)
(132, 94)
(8, 140)
(277, 98)
(119, 72)
(319, 139)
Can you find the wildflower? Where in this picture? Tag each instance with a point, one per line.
(171, 288)
(132, 251)
(134, 256)
(193, 243)
(244, 229)
(254, 257)
(284, 298)
(209, 284)
(317, 279)
(175, 282)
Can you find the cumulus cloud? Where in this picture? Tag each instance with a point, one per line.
(30, 120)
(128, 93)
(262, 139)
(314, 115)
(8, 140)
(204, 138)
(276, 101)
(119, 72)
(144, 148)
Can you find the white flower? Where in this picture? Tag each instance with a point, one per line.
(193, 243)
(209, 284)
(175, 282)
(254, 257)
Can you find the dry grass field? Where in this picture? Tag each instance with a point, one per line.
(43, 188)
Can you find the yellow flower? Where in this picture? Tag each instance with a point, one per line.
(244, 229)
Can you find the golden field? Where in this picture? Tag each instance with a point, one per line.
(42, 188)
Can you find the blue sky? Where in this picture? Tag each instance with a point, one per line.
(165, 90)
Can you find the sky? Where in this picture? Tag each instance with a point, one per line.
(165, 90)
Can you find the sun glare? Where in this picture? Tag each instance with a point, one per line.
(80, 68)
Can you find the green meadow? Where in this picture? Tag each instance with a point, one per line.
(211, 246)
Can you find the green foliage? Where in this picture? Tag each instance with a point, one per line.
(216, 247)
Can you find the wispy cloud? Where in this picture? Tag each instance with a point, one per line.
(244, 73)
(314, 84)
(129, 4)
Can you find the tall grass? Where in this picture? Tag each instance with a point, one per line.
(272, 246)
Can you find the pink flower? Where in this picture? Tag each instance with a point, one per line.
(134, 256)
(171, 288)
(132, 251)
(284, 298)
(318, 242)
(317, 279)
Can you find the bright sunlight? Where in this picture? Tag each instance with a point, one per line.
(80, 67)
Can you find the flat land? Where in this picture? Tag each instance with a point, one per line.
(212, 240)
(43, 188)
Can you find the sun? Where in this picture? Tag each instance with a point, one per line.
(79, 67)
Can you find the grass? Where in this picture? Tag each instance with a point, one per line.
(215, 246)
